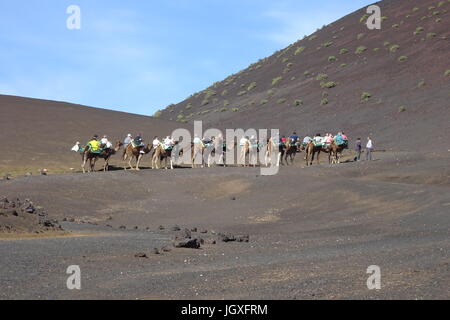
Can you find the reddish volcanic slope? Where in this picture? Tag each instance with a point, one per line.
(391, 83)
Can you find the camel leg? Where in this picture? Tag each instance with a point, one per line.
(129, 163)
(137, 162)
(83, 165)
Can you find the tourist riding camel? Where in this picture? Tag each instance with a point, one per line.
(135, 152)
(274, 149)
(244, 144)
(197, 149)
(93, 151)
(163, 151)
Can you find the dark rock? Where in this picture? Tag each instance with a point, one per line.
(141, 255)
(176, 228)
(187, 243)
(226, 237)
(136, 228)
(166, 249)
(122, 228)
(64, 220)
(194, 229)
(203, 231)
(71, 220)
(161, 228)
(233, 198)
(243, 238)
(156, 251)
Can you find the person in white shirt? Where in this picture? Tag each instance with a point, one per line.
(168, 142)
(243, 141)
(106, 142)
(156, 142)
(369, 149)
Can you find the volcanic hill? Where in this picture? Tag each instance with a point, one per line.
(393, 83)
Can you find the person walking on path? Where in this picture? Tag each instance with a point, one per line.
(358, 149)
(369, 149)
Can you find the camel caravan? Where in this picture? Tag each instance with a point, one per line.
(204, 152)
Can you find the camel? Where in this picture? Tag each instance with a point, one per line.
(312, 149)
(131, 152)
(218, 144)
(161, 154)
(290, 151)
(245, 150)
(336, 153)
(92, 157)
(271, 148)
(197, 150)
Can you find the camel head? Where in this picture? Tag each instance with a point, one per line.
(118, 146)
(148, 148)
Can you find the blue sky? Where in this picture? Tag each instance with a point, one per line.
(141, 55)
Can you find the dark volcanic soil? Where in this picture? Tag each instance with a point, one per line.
(313, 232)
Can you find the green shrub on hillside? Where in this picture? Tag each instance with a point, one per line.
(431, 35)
(332, 58)
(343, 51)
(328, 85)
(313, 37)
(402, 109)
(447, 73)
(251, 86)
(157, 114)
(189, 106)
(298, 102)
(415, 9)
(386, 44)
(324, 101)
(376, 49)
(421, 84)
(394, 48)
(418, 30)
(321, 76)
(306, 73)
(276, 80)
(299, 50)
(224, 93)
(226, 103)
(241, 93)
(264, 101)
(281, 100)
(327, 44)
(402, 58)
(343, 65)
(395, 26)
(365, 96)
(235, 109)
(364, 18)
(360, 36)
(360, 49)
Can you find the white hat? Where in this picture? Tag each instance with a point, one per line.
(129, 135)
